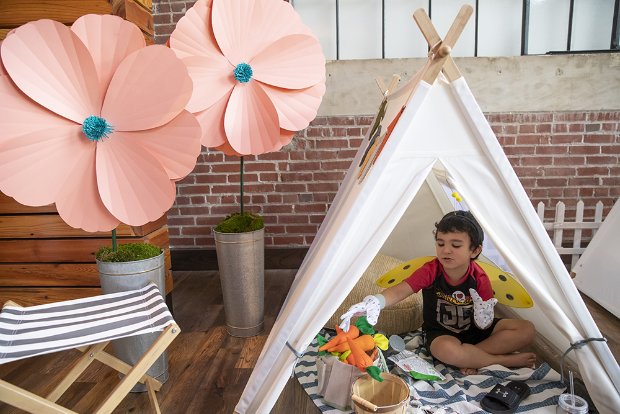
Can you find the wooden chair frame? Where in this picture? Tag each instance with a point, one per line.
(30, 402)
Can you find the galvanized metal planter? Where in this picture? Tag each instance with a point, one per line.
(241, 262)
(123, 276)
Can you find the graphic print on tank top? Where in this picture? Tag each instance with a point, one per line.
(448, 307)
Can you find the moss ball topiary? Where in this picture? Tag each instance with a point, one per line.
(238, 223)
(128, 252)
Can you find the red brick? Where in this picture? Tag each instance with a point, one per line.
(210, 178)
(332, 143)
(304, 166)
(225, 189)
(536, 161)
(341, 120)
(162, 19)
(296, 177)
(576, 128)
(559, 171)
(584, 149)
(529, 171)
(274, 208)
(317, 219)
(290, 188)
(543, 128)
(329, 176)
(519, 150)
(569, 160)
(161, 7)
(319, 120)
(569, 116)
(335, 165)
(598, 139)
(594, 159)
(322, 187)
(292, 219)
(194, 189)
(288, 240)
(310, 208)
(300, 229)
(274, 156)
(365, 120)
(583, 181)
(588, 171)
(274, 198)
(551, 182)
(528, 139)
(247, 178)
(527, 129)
(321, 155)
(604, 116)
(264, 177)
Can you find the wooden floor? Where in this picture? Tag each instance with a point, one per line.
(208, 368)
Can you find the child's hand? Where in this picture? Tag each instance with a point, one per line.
(370, 307)
(483, 310)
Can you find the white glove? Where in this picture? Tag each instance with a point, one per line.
(483, 310)
(370, 306)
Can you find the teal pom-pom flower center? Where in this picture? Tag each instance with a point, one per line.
(96, 128)
(243, 72)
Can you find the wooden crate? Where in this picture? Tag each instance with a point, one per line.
(43, 260)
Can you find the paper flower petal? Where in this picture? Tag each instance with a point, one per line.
(212, 78)
(296, 108)
(251, 120)
(175, 145)
(131, 182)
(109, 39)
(244, 28)
(293, 62)
(192, 36)
(36, 147)
(78, 202)
(228, 150)
(212, 123)
(50, 64)
(138, 98)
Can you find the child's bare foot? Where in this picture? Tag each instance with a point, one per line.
(519, 360)
(469, 371)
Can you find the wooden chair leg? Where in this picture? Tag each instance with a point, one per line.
(122, 389)
(89, 356)
(27, 401)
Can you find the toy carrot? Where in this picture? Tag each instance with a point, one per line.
(341, 336)
(365, 342)
(362, 361)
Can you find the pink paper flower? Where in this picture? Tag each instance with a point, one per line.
(258, 72)
(94, 121)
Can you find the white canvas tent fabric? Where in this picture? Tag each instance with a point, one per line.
(598, 269)
(441, 131)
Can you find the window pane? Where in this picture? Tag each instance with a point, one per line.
(320, 17)
(592, 21)
(360, 29)
(443, 13)
(403, 39)
(548, 26)
(499, 27)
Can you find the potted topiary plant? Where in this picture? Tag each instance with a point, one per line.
(240, 247)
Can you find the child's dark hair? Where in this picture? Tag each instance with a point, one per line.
(462, 221)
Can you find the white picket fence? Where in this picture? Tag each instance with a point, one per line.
(558, 225)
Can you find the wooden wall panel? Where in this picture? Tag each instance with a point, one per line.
(14, 13)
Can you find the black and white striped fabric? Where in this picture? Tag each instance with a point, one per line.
(43, 329)
(458, 393)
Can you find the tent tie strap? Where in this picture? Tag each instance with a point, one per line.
(577, 345)
(297, 354)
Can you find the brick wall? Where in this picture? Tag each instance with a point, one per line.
(557, 156)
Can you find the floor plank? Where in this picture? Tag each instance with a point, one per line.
(208, 368)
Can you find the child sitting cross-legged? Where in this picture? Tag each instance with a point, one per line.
(459, 324)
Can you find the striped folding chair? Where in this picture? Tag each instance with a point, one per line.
(88, 325)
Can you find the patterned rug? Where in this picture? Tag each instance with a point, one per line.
(457, 393)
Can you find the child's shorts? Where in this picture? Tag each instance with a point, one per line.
(472, 336)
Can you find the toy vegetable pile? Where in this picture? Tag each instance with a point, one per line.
(358, 347)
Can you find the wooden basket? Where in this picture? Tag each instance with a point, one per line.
(371, 396)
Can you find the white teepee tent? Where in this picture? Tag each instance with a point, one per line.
(598, 269)
(442, 133)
